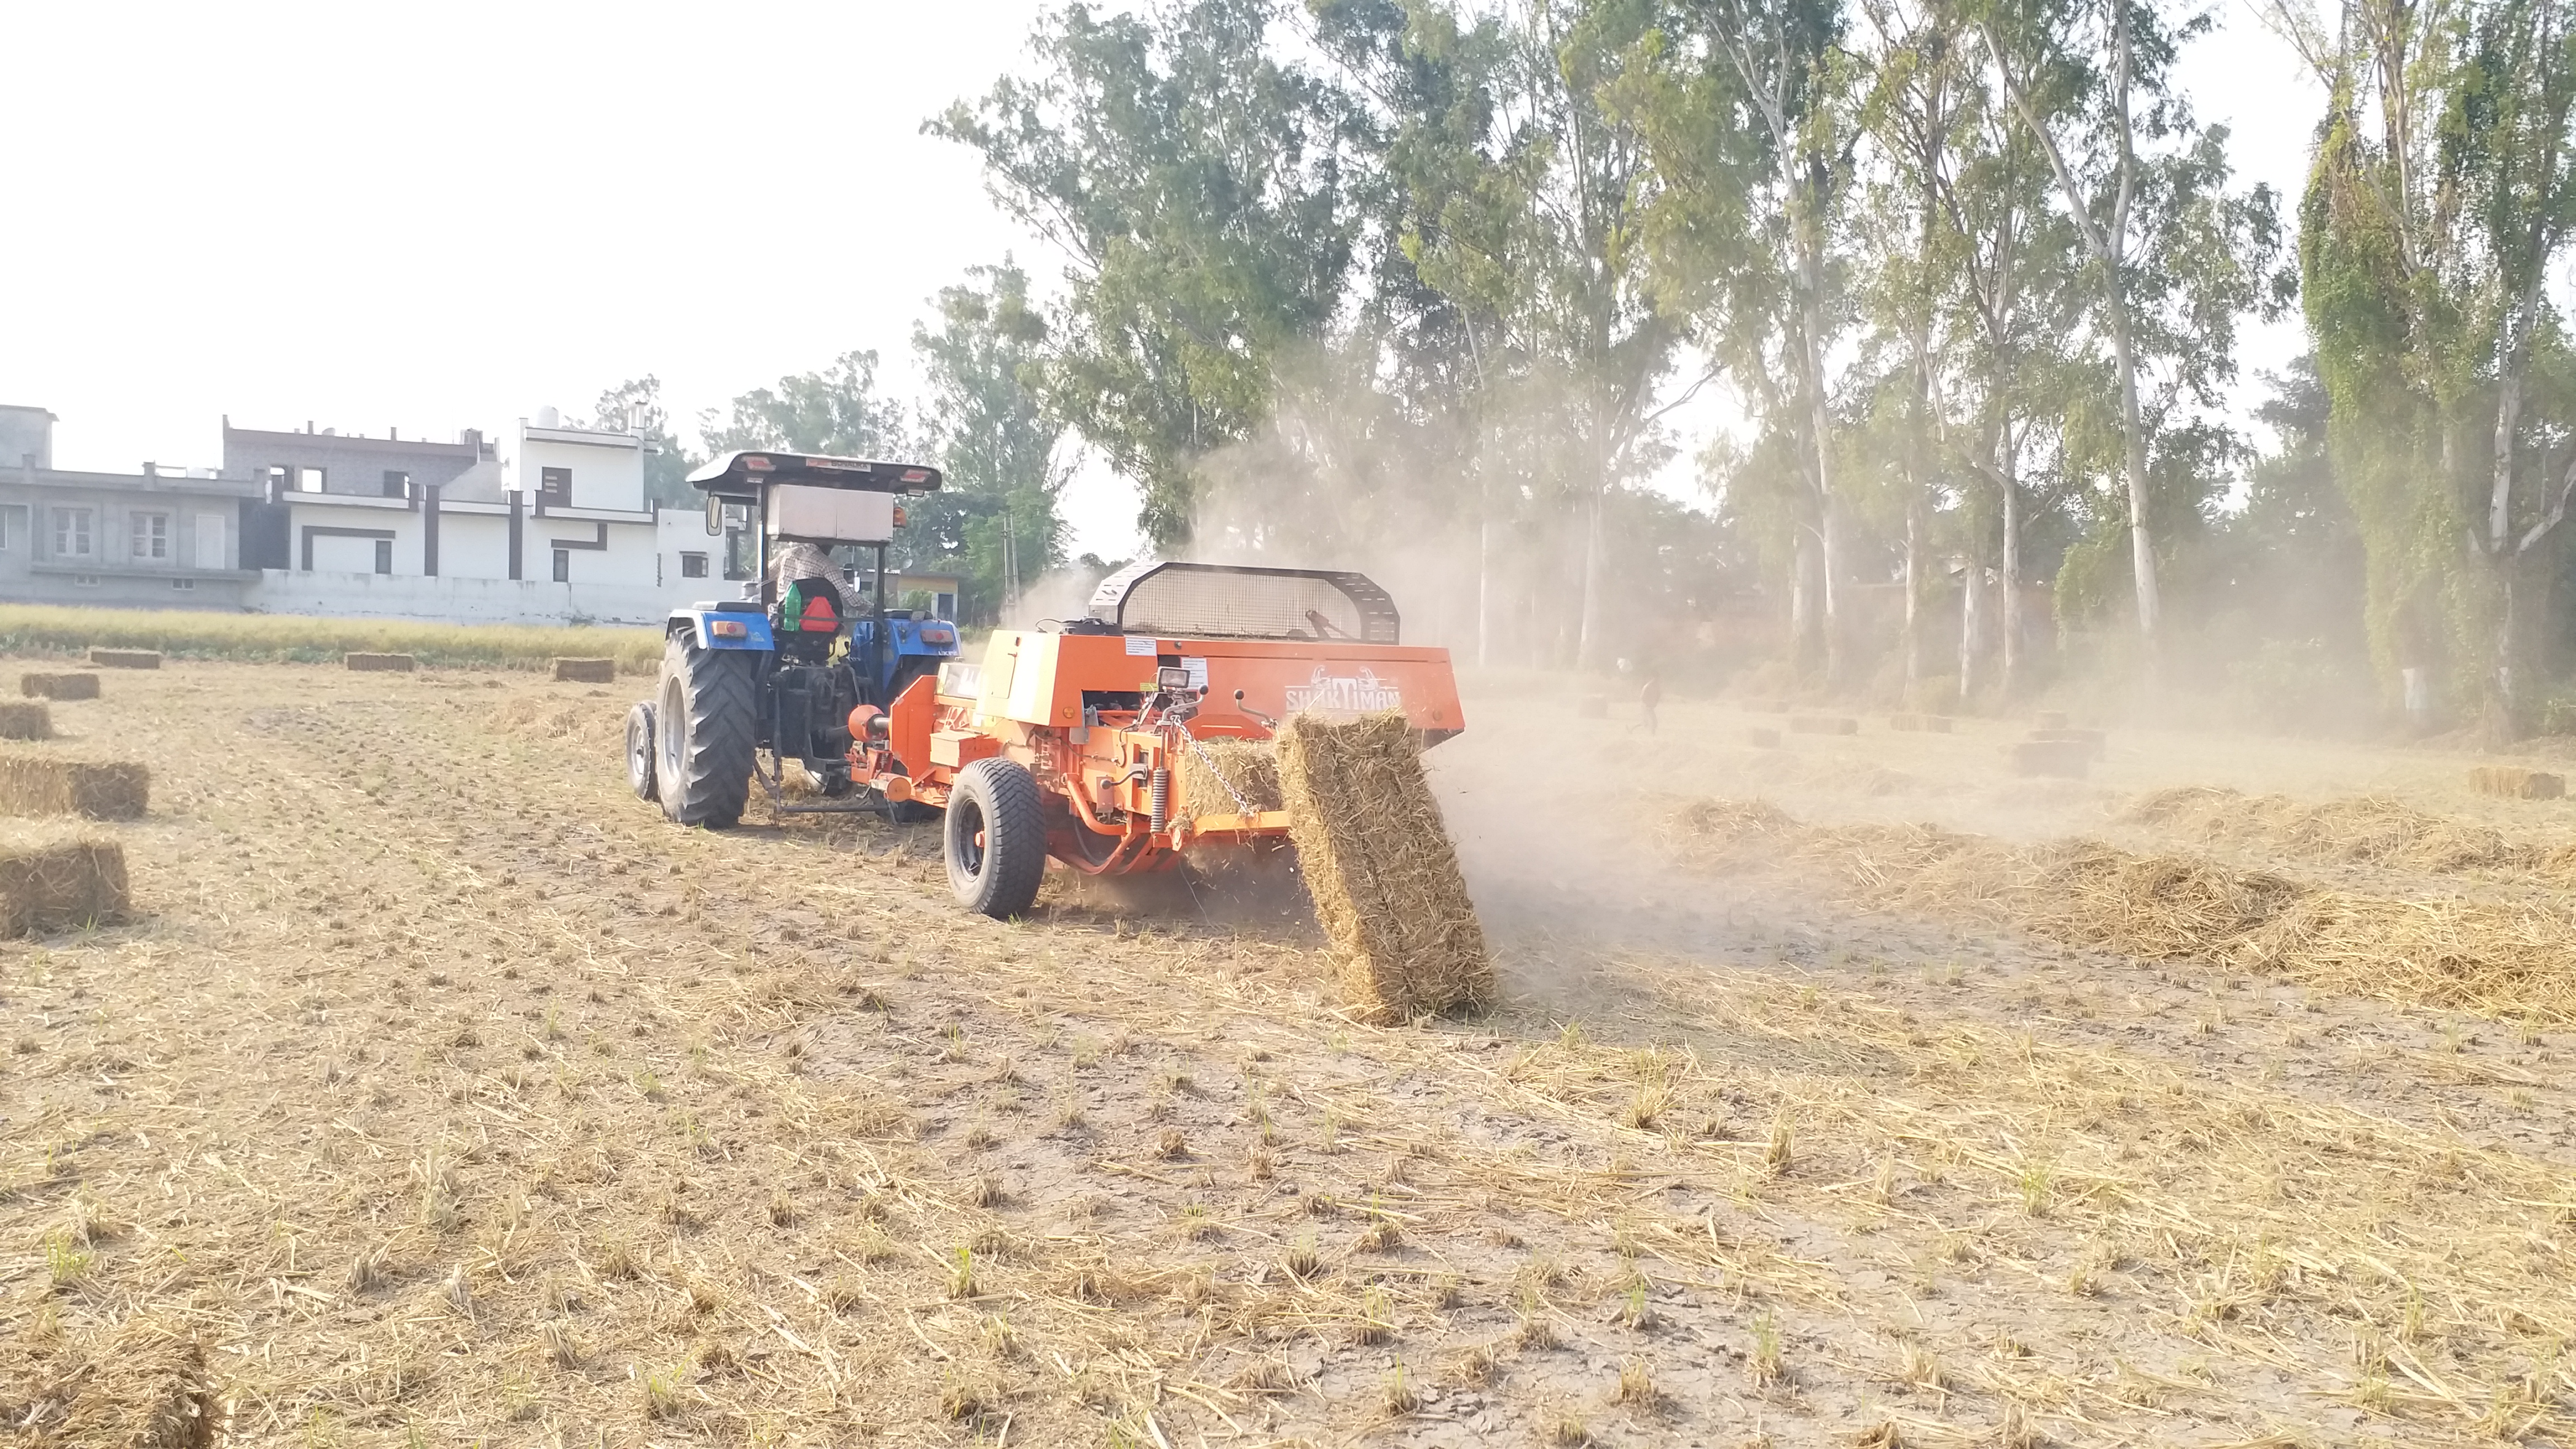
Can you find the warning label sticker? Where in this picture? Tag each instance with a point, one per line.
(1136, 645)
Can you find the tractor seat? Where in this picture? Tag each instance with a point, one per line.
(810, 606)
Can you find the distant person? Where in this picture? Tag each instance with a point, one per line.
(1647, 698)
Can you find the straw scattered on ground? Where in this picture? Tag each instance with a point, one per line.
(1380, 867)
(2358, 830)
(2496, 959)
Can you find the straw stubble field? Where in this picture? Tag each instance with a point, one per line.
(440, 1094)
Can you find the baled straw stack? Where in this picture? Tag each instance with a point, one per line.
(2447, 953)
(1823, 724)
(25, 719)
(125, 658)
(2513, 782)
(32, 784)
(1251, 767)
(2063, 759)
(58, 686)
(380, 663)
(53, 879)
(569, 670)
(1378, 862)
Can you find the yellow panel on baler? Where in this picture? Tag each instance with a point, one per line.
(1039, 678)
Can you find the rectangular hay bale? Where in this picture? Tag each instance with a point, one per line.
(1929, 724)
(1823, 724)
(585, 671)
(2513, 782)
(2094, 740)
(125, 658)
(1378, 863)
(58, 686)
(33, 784)
(2061, 759)
(1251, 767)
(380, 663)
(1762, 739)
(59, 880)
(25, 719)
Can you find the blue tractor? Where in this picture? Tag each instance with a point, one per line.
(790, 669)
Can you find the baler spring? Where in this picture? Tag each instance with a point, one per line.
(1161, 800)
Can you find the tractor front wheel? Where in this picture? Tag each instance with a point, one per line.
(641, 748)
(995, 838)
(705, 716)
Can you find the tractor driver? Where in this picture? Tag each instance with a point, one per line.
(797, 560)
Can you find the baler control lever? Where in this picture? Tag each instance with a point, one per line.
(1266, 721)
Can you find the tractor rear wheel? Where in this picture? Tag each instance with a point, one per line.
(995, 838)
(641, 748)
(706, 715)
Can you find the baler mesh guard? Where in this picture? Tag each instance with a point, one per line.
(1229, 601)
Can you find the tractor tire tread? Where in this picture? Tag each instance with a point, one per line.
(713, 783)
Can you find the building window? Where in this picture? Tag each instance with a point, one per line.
(563, 565)
(71, 533)
(151, 536)
(84, 581)
(280, 479)
(183, 583)
(384, 555)
(693, 565)
(311, 480)
(554, 486)
(397, 483)
(738, 553)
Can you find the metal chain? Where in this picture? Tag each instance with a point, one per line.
(1201, 751)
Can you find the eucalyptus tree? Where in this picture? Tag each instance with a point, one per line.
(1002, 448)
(1749, 106)
(2443, 192)
(1199, 180)
(2175, 258)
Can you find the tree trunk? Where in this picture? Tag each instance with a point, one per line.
(1485, 585)
(2142, 551)
(1802, 603)
(1811, 363)
(1591, 582)
(1913, 594)
(2010, 677)
(1972, 627)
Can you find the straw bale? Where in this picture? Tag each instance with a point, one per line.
(2065, 759)
(146, 1388)
(1930, 724)
(58, 879)
(1823, 724)
(1250, 766)
(58, 686)
(2450, 953)
(1762, 739)
(25, 720)
(125, 658)
(569, 670)
(380, 663)
(2513, 782)
(1377, 860)
(33, 784)
(2095, 742)
(1592, 706)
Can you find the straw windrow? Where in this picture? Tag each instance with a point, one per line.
(2449, 953)
(1377, 860)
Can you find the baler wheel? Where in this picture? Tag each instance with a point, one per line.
(641, 748)
(995, 838)
(705, 716)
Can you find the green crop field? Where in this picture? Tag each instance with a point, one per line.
(293, 638)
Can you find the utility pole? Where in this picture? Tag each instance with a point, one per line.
(1010, 568)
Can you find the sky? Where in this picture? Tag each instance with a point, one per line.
(429, 218)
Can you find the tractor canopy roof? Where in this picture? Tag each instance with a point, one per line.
(1239, 601)
(746, 472)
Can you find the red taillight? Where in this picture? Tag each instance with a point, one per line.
(729, 629)
(758, 464)
(916, 475)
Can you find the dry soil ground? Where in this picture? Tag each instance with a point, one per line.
(447, 1096)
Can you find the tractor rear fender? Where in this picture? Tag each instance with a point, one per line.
(908, 726)
(721, 628)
